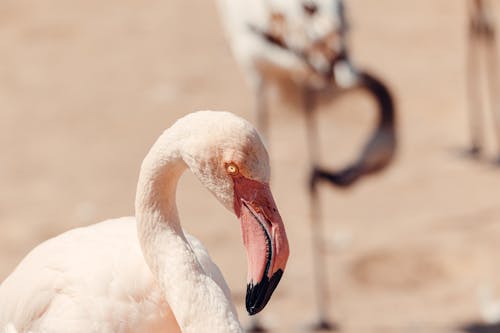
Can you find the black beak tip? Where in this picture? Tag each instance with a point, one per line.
(258, 295)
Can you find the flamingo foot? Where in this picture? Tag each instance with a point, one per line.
(323, 325)
(474, 151)
(256, 327)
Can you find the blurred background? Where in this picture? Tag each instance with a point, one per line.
(87, 86)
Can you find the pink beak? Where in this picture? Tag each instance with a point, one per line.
(264, 237)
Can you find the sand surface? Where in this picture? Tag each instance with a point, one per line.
(87, 86)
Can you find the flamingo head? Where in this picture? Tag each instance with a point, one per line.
(232, 162)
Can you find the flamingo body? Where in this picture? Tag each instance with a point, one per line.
(123, 287)
(280, 44)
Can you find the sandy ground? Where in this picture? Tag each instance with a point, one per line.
(87, 86)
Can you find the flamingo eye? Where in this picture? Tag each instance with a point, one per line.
(232, 169)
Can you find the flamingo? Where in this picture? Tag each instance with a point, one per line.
(145, 273)
(482, 38)
(299, 49)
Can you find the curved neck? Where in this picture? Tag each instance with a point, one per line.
(197, 301)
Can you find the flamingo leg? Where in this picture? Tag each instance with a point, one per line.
(319, 259)
(493, 83)
(474, 88)
(261, 111)
(262, 121)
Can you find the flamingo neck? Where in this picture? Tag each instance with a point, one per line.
(197, 301)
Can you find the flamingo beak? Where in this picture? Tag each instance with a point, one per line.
(265, 240)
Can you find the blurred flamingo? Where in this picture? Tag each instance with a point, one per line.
(144, 273)
(299, 49)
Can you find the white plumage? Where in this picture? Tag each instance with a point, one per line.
(143, 273)
(91, 279)
(267, 64)
(10, 329)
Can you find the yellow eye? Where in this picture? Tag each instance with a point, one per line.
(232, 169)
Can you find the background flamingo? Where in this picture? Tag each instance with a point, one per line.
(300, 49)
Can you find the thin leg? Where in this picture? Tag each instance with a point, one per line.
(262, 121)
(493, 83)
(474, 91)
(261, 111)
(319, 262)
